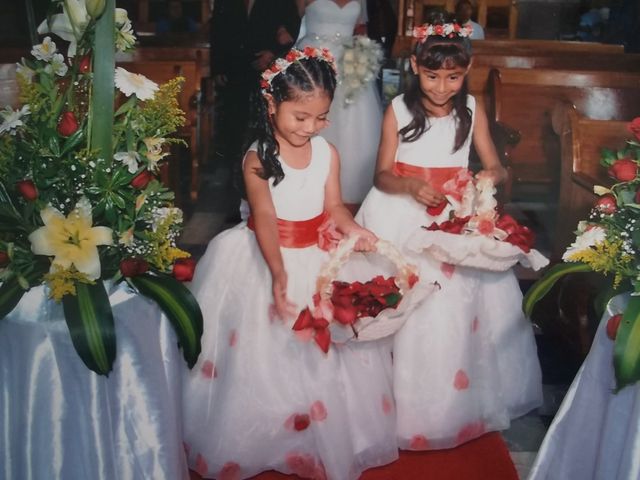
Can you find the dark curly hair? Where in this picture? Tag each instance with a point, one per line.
(302, 76)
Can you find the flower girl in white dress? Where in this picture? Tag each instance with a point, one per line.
(465, 362)
(354, 128)
(260, 398)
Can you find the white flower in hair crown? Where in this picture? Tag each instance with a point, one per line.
(446, 30)
(294, 55)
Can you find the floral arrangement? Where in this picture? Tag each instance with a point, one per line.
(359, 65)
(447, 30)
(81, 204)
(281, 64)
(609, 243)
(357, 305)
(488, 240)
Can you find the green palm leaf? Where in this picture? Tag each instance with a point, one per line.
(10, 294)
(180, 306)
(626, 352)
(548, 280)
(90, 321)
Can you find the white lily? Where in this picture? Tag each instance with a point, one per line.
(45, 50)
(68, 25)
(12, 119)
(130, 159)
(57, 65)
(71, 240)
(95, 7)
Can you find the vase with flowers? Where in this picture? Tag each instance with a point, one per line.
(81, 206)
(608, 242)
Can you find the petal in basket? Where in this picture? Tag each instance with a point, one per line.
(368, 310)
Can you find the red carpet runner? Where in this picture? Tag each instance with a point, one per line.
(485, 458)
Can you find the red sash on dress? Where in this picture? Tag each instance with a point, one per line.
(298, 233)
(436, 176)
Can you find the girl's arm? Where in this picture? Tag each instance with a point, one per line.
(491, 166)
(386, 180)
(266, 230)
(339, 213)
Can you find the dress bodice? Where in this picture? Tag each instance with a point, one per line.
(435, 147)
(327, 22)
(300, 195)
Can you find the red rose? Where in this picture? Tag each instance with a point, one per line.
(438, 29)
(141, 180)
(345, 316)
(413, 279)
(301, 422)
(27, 189)
(437, 210)
(507, 223)
(524, 239)
(183, 269)
(4, 259)
(130, 267)
(612, 326)
(624, 170)
(67, 124)
(634, 127)
(84, 65)
(607, 204)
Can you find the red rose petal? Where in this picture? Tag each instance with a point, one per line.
(447, 269)
(612, 326)
(461, 380)
(419, 442)
(208, 370)
(475, 324)
(387, 404)
(233, 338)
(201, 466)
(470, 431)
(229, 471)
(301, 422)
(318, 411)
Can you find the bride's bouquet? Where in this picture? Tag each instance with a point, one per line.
(359, 65)
(467, 230)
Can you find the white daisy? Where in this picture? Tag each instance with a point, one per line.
(11, 119)
(134, 83)
(130, 159)
(585, 240)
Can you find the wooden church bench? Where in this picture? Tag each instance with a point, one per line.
(581, 142)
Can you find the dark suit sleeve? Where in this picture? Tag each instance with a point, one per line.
(289, 19)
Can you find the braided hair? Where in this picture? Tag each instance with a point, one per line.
(301, 77)
(435, 53)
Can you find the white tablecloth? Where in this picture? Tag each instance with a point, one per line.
(60, 421)
(596, 433)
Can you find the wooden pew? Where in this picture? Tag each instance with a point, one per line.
(581, 142)
(524, 100)
(161, 71)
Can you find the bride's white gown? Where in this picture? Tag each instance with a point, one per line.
(354, 129)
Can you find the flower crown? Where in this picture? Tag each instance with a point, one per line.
(294, 55)
(446, 30)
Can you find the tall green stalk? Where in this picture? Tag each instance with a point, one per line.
(103, 95)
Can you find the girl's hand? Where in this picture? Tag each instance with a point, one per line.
(423, 192)
(366, 239)
(284, 307)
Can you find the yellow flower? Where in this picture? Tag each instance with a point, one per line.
(71, 240)
(154, 152)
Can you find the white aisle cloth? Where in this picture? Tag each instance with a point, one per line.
(596, 432)
(61, 421)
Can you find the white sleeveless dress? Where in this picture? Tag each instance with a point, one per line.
(465, 362)
(260, 398)
(354, 129)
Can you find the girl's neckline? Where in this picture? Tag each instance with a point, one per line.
(299, 169)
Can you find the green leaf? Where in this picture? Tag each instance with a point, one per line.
(626, 351)
(126, 106)
(548, 280)
(102, 100)
(73, 141)
(90, 321)
(608, 157)
(180, 306)
(392, 299)
(10, 294)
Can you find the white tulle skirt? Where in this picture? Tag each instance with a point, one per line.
(465, 362)
(261, 398)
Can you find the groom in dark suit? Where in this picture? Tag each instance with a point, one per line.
(246, 35)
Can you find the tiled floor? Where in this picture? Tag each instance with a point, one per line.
(216, 210)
